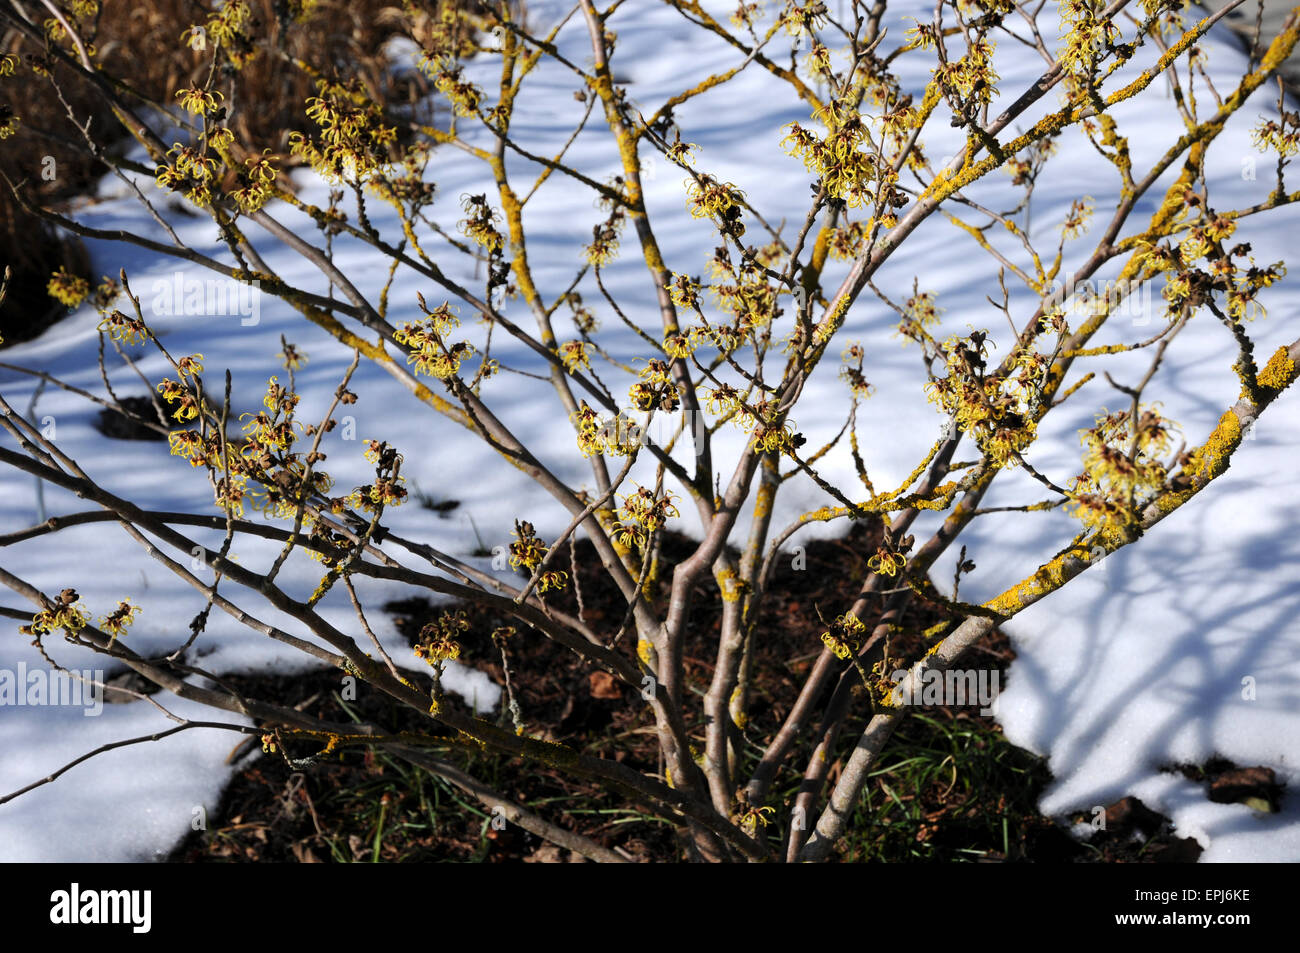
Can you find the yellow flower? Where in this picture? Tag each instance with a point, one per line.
(191, 365)
(293, 358)
(1282, 138)
(754, 817)
(438, 642)
(68, 289)
(119, 620)
(575, 355)
(527, 551)
(256, 183)
(189, 444)
(887, 563)
(199, 101)
(125, 329)
(604, 241)
(843, 636)
(231, 493)
(552, 579)
(720, 201)
(438, 651)
(67, 613)
(175, 393)
(678, 346)
(1076, 222)
(480, 223)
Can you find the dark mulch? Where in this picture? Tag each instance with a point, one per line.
(130, 426)
(333, 808)
(1227, 783)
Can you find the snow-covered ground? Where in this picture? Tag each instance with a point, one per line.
(1137, 665)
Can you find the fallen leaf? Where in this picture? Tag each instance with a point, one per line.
(604, 685)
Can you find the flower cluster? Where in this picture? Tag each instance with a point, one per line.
(429, 353)
(8, 121)
(1280, 135)
(255, 183)
(387, 488)
(680, 152)
(189, 171)
(575, 355)
(80, 10)
(798, 18)
(327, 546)
(552, 579)
(1087, 36)
(724, 400)
(176, 393)
(1123, 469)
(746, 294)
(771, 434)
(119, 620)
(191, 445)
(200, 102)
(191, 365)
(745, 15)
(720, 201)
(527, 550)
(618, 436)
(267, 433)
(293, 358)
(353, 143)
(406, 190)
(851, 371)
(439, 640)
(970, 81)
(920, 313)
(447, 78)
(605, 235)
(1025, 166)
(106, 293)
(997, 411)
(450, 33)
(642, 514)
(583, 319)
(847, 171)
(844, 635)
(68, 289)
(262, 467)
(656, 389)
(680, 346)
(67, 613)
(1076, 220)
(846, 241)
(818, 60)
(230, 493)
(604, 240)
(1187, 287)
(480, 223)
(125, 329)
(752, 818)
(230, 28)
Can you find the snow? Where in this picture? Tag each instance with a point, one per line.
(1136, 666)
